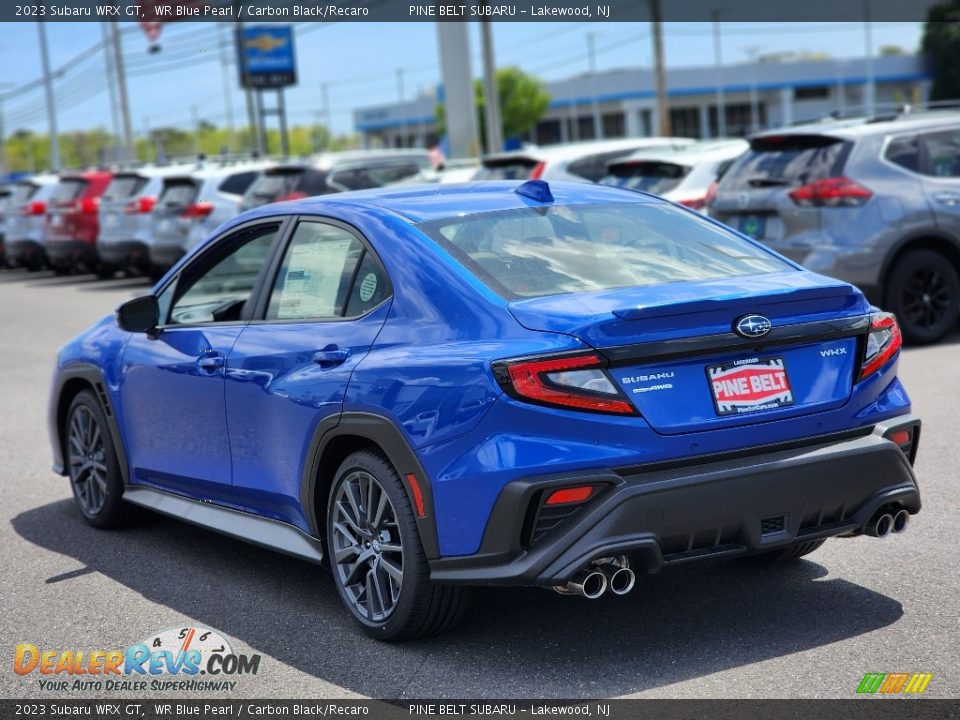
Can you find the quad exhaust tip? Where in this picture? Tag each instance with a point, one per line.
(900, 521)
(590, 584)
(620, 580)
(613, 574)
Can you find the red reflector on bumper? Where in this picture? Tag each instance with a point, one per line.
(900, 437)
(417, 495)
(570, 495)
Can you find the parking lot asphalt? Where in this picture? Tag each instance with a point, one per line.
(733, 629)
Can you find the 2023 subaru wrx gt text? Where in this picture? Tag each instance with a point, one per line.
(499, 383)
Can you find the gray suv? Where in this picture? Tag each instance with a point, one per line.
(874, 203)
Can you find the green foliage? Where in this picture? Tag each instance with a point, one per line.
(30, 152)
(523, 101)
(941, 45)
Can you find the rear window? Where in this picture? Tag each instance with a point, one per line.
(22, 192)
(593, 167)
(237, 183)
(653, 177)
(275, 184)
(372, 176)
(122, 187)
(787, 160)
(533, 252)
(177, 193)
(515, 168)
(69, 189)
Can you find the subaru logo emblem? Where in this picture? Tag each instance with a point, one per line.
(743, 200)
(752, 326)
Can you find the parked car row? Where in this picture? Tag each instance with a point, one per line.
(143, 219)
(874, 203)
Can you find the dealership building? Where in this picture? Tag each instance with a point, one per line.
(775, 91)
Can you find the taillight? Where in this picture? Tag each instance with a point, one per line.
(695, 203)
(537, 171)
(883, 342)
(711, 195)
(88, 205)
(35, 207)
(295, 195)
(197, 210)
(573, 381)
(141, 205)
(831, 192)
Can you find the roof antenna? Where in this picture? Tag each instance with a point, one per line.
(537, 190)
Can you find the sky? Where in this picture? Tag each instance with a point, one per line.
(359, 62)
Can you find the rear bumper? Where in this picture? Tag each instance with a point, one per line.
(164, 255)
(71, 253)
(124, 253)
(667, 514)
(25, 252)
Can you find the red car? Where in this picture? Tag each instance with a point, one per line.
(72, 223)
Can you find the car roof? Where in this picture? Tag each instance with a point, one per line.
(425, 203)
(569, 151)
(691, 154)
(865, 127)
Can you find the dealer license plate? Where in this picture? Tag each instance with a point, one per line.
(746, 386)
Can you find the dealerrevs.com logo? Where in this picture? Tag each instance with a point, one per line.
(188, 658)
(894, 683)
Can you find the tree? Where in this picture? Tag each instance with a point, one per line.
(523, 101)
(941, 45)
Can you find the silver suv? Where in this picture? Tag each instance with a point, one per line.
(874, 203)
(191, 204)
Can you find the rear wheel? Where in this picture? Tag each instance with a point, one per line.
(376, 556)
(924, 293)
(92, 463)
(793, 552)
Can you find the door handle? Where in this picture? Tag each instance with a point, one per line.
(330, 356)
(950, 199)
(210, 363)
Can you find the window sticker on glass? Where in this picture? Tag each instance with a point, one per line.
(313, 278)
(368, 286)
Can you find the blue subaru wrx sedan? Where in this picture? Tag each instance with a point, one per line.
(497, 383)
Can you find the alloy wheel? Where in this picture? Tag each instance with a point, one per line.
(926, 298)
(87, 461)
(367, 549)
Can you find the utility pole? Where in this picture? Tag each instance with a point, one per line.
(111, 81)
(458, 99)
(403, 119)
(48, 94)
(594, 100)
(325, 99)
(227, 95)
(871, 85)
(195, 122)
(3, 140)
(491, 94)
(718, 62)
(659, 74)
(752, 52)
(122, 93)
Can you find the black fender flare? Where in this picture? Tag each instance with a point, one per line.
(93, 376)
(384, 433)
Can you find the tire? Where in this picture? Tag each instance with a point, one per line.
(793, 552)
(407, 605)
(92, 463)
(923, 291)
(105, 272)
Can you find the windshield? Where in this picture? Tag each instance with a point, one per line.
(533, 252)
(652, 177)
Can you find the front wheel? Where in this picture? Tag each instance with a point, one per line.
(92, 463)
(376, 556)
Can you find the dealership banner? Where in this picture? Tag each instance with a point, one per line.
(383, 710)
(150, 12)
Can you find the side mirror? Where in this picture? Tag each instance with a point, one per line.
(140, 314)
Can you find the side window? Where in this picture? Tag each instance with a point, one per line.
(943, 153)
(325, 275)
(219, 285)
(905, 152)
(238, 183)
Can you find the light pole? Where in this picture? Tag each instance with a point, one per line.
(400, 98)
(659, 72)
(752, 52)
(491, 94)
(718, 61)
(122, 93)
(871, 94)
(594, 100)
(48, 95)
(3, 140)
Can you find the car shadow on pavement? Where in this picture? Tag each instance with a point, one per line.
(680, 624)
